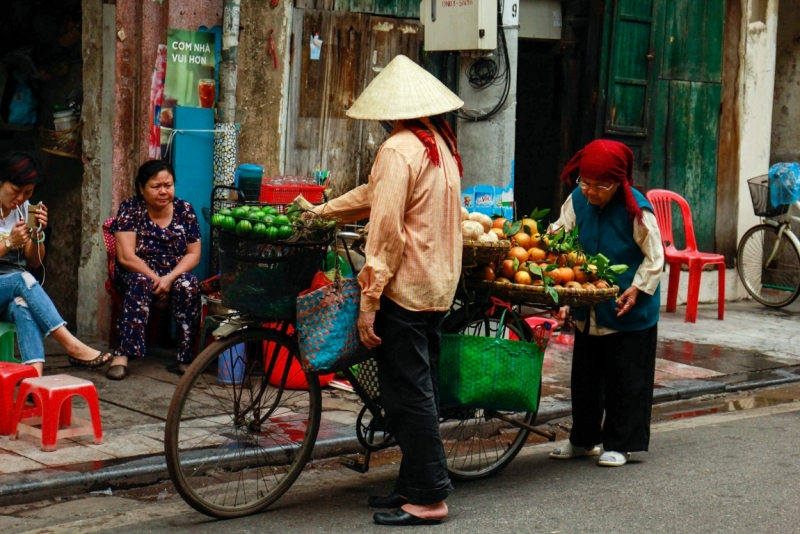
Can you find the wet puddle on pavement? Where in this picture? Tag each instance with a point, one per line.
(731, 402)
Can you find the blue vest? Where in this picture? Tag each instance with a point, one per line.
(610, 230)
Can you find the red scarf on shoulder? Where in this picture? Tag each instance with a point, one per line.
(426, 136)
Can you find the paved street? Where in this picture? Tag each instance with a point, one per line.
(734, 471)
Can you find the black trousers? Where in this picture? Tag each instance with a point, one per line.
(408, 359)
(613, 374)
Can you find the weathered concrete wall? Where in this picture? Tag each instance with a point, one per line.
(757, 81)
(786, 110)
(487, 147)
(262, 89)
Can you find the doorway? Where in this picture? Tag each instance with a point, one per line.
(538, 127)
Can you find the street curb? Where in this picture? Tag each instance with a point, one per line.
(137, 472)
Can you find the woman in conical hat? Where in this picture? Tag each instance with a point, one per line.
(613, 362)
(413, 262)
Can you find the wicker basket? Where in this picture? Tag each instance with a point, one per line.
(478, 254)
(67, 143)
(536, 295)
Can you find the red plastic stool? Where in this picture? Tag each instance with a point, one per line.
(54, 394)
(10, 375)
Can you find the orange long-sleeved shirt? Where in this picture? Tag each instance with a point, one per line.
(413, 252)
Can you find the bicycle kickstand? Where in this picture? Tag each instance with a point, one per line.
(358, 463)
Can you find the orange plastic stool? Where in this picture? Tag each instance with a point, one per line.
(54, 394)
(10, 375)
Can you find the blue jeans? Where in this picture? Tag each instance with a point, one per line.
(24, 303)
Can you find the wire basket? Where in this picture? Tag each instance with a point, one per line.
(264, 279)
(65, 143)
(762, 203)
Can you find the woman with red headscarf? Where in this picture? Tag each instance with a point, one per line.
(613, 362)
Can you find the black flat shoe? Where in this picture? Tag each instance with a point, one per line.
(100, 361)
(401, 518)
(392, 500)
(117, 372)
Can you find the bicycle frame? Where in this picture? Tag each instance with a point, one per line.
(784, 225)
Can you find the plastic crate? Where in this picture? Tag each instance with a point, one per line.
(283, 194)
(762, 204)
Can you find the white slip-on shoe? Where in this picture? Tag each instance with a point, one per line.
(614, 459)
(573, 451)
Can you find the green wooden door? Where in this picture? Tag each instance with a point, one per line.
(663, 84)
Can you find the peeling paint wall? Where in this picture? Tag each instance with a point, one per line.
(757, 78)
(262, 89)
(786, 109)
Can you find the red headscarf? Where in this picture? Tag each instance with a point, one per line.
(606, 161)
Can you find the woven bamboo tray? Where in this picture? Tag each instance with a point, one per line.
(522, 294)
(478, 254)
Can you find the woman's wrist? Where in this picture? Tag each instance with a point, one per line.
(40, 240)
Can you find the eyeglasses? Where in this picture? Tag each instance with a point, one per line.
(596, 187)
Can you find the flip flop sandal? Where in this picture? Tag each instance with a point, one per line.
(101, 360)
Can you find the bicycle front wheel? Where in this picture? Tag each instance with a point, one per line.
(480, 443)
(768, 267)
(236, 436)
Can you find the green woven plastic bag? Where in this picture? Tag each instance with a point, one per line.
(491, 373)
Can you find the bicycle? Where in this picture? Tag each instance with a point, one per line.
(768, 255)
(234, 449)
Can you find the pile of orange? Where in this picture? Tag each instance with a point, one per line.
(533, 259)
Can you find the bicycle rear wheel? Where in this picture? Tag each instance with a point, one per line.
(478, 443)
(232, 450)
(768, 268)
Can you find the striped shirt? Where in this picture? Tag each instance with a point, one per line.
(413, 252)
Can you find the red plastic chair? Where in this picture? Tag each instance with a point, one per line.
(156, 329)
(662, 200)
(11, 374)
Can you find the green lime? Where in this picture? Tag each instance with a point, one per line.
(216, 219)
(228, 222)
(224, 211)
(257, 215)
(268, 219)
(280, 220)
(270, 210)
(260, 229)
(244, 227)
(272, 232)
(285, 231)
(239, 212)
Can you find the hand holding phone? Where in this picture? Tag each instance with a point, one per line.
(33, 222)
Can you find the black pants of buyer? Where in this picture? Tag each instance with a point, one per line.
(613, 374)
(408, 359)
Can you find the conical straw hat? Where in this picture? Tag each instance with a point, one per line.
(403, 90)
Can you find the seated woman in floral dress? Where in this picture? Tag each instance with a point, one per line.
(158, 243)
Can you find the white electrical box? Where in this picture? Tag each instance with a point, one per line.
(540, 19)
(459, 24)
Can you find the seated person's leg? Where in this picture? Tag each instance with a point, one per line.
(185, 307)
(29, 336)
(133, 316)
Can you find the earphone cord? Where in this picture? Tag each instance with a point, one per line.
(38, 253)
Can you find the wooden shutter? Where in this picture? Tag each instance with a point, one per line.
(630, 68)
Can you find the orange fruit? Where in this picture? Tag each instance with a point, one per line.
(567, 274)
(531, 224)
(573, 285)
(538, 283)
(588, 285)
(498, 223)
(551, 257)
(536, 254)
(580, 275)
(522, 239)
(536, 240)
(518, 252)
(555, 274)
(499, 232)
(522, 278)
(486, 273)
(601, 284)
(507, 269)
(561, 259)
(501, 280)
(576, 258)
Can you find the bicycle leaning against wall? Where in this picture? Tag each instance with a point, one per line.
(768, 256)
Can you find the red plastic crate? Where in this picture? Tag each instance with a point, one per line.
(283, 194)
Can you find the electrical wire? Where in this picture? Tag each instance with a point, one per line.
(483, 73)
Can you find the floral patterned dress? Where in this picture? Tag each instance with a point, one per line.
(161, 249)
